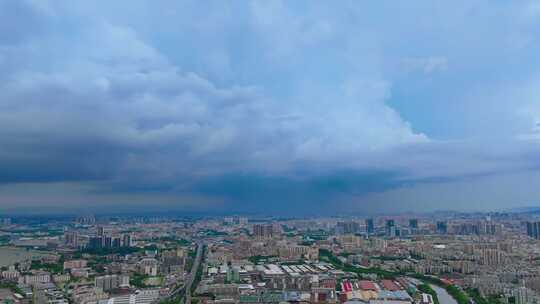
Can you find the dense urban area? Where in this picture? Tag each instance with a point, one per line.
(440, 258)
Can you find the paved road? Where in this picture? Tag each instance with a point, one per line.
(193, 273)
(185, 290)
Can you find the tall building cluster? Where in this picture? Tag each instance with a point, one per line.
(235, 220)
(391, 229)
(349, 227)
(72, 239)
(114, 281)
(104, 240)
(442, 227)
(370, 226)
(263, 231)
(533, 230)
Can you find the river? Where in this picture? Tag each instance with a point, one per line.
(443, 296)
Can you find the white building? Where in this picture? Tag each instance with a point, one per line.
(145, 296)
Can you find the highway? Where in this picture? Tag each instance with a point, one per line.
(193, 273)
(185, 290)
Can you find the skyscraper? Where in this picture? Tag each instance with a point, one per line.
(101, 231)
(413, 223)
(71, 239)
(107, 242)
(390, 228)
(263, 231)
(533, 230)
(86, 220)
(126, 240)
(370, 227)
(95, 242)
(347, 227)
(441, 227)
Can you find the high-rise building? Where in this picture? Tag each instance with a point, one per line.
(172, 261)
(370, 227)
(468, 228)
(101, 231)
(347, 227)
(109, 282)
(86, 220)
(95, 242)
(71, 264)
(127, 240)
(533, 230)
(441, 227)
(233, 275)
(242, 220)
(6, 221)
(263, 231)
(492, 257)
(413, 223)
(107, 242)
(116, 242)
(490, 228)
(71, 239)
(390, 228)
(523, 295)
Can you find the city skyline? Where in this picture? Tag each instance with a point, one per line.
(269, 107)
(448, 258)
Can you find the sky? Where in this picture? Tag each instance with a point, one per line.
(277, 107)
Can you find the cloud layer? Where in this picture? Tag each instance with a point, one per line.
(262, 106)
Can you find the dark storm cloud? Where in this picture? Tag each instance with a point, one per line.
(133, 102)
(297, 195)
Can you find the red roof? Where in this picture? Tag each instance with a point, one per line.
(347, 286)
(446, 282)
(367, 285)
(390, 285)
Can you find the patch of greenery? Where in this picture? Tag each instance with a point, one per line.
(297, 262)
(453, 290)
(315, 235)
(287, 228)
(171, 301)
(138, 280)
(97, 262)
(4, 239)
(181, 242)
(474, 293)
(11, 286)
(256, 259)
(329, 257)
(211, 232)
(53, 268)
(388, 258)
(152, 247)
(457, 294)
(107, 251)
(425, 288)
(198, 274)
